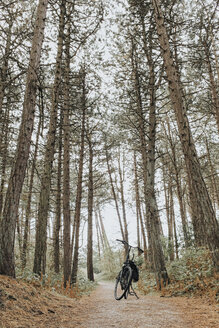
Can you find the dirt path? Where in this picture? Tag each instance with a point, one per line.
(29, 309)
(101, 310)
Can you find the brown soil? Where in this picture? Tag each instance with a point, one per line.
(25, 306)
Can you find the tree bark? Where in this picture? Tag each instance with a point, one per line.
(103, 231)
(215, 97)
(143, 143)
(4, 69)
(214, 175)
(4, 155)
(79, 185)
(29, 199)
(121, 178)
(175, 233)
(66, 168)
(151, 203)
(178, 186)
(41, 228)
(90, 271)
(152, 213)
(202, 208)
(138, 210)
(99, 231)
(156, 255)
(8, 222)
(114, 193)
(171, 219)
(57, 224)
(98, 234)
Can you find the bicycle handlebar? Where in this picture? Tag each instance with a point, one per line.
(125, 243)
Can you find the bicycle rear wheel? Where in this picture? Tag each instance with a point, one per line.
(123, 282)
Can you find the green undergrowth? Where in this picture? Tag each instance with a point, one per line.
(54, 282)
(192, 274)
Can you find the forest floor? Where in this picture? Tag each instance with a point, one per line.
(23, 305)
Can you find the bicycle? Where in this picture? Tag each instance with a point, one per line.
(129, 273)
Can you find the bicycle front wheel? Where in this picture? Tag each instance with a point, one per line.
(123, 282)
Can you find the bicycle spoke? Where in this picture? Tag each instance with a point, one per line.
(122, 283)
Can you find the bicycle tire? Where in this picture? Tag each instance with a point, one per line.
(123, 282)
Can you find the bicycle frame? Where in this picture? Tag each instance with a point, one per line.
(127, 265)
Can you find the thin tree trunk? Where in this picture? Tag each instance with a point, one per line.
(4, 70)
(142, 134)
(213, 175)
(100, 232)
(4, 151)
(143, 235)
(216, 57)
(41, 229)
(156, 255)
(66, 169)
(8, 222)
(203, 213)
(178, 188)
(98, 235)
(114, 194)
(138, 210)
(215, 98)
(57, 225)
(175, 233)
(138, 228)
(19, 233)
(90, 271)
(29, 199)
(79, 187)
(105, 238)
(151, 203)
(72, 241)
(170, 222)
(121, 178)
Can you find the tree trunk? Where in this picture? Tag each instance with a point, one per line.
(90, 271)
(215, 98)
(151, 204)
(170, 222)
(57, 225)
(4, 155)
(114, 193)
(98, 234)
(214, 175)
(152, 213)
(8, 222)
(19, 232)
(178, 187)
(156, 255)
(121, 178)
(99, 231)
(143, 148)
(29, 199)
(175, 234)
(41, 228)
(138, 209)
(79, 186)
(103, 231)
(66, 169)
(138, 228)
(4, 69)
(202, 208)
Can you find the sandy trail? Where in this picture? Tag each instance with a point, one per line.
(100, 310)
